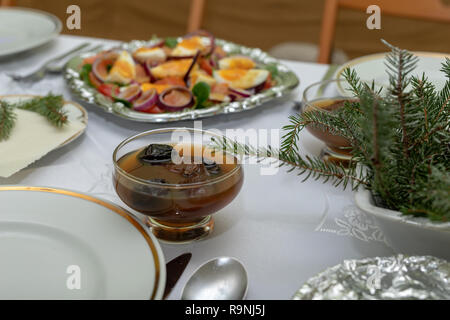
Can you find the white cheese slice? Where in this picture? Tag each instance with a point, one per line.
(33, 137)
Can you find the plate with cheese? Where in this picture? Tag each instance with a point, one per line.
(33, 135)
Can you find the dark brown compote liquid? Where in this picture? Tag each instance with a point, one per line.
(336, 143)
(177, 194)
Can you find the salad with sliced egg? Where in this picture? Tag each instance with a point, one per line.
(175, 74)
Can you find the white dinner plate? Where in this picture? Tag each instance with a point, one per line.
(372, 67)
(23, 29)
(53, 241)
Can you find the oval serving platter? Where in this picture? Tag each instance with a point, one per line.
(286, 82)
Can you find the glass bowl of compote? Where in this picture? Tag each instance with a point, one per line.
(177, 180)
(329, 96)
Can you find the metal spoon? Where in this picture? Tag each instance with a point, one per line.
(221, 278)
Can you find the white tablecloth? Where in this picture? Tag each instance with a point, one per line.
(284, 231)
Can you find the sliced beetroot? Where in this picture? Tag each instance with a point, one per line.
(146, 100)
(175, 99)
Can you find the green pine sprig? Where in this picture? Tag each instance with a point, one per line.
(399, 137)
(312, 167)
(49, 106)
(7, 120)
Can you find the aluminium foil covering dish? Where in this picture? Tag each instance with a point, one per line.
(388, 278)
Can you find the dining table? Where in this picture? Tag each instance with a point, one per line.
(284, 230)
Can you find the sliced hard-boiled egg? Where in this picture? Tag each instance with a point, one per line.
(220, 92)
(190, 46)
(158, 87)
(123, 69)
(201, 76)
(153, 54)
(219, 97)
(241, 78)
(173, 68)
(236, 62)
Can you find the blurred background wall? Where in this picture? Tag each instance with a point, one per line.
(258, 23)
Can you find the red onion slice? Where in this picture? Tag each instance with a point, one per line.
(179, 57)
(149, 64)
(212, 62)
(241, 92)
(130, 93)
(147, 99)
(169, 101)
(194, 61)
(99, 67)
(209, 35)
(258, 88)
(159, 44)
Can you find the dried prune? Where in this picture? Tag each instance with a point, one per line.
(191, 170)
(158, 180)
(211, 166)
(157, 154)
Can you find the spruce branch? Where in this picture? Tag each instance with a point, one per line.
(49, 106)
(313, 167)
(400, 138)
(400, 63)
(7, 120)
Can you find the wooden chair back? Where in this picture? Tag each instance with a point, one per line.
(433, 10)
(7, 3)
(195, 15)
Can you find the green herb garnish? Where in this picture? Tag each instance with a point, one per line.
(49, 107)
(126, 103)
(84, 73)
(171, 42)
(201, 93)
(272, 68)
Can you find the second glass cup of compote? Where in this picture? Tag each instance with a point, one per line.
(328, 96)
(177, 180)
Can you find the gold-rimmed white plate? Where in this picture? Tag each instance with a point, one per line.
(23, 29)
(372, 67)
(61, 244)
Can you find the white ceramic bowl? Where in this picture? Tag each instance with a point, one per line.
(407, 234)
